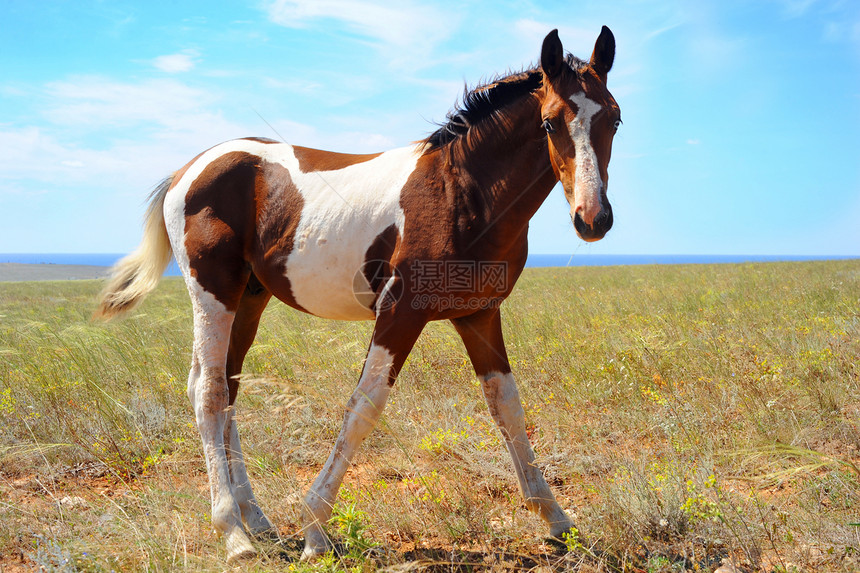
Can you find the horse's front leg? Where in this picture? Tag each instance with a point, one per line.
(392, 340)
(482, 335)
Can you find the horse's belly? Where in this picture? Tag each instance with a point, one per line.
(322, 278)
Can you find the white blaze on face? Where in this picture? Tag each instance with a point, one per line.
(587, 185)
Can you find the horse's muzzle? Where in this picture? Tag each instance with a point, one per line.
(599, 227)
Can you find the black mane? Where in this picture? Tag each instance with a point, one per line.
(485, 101)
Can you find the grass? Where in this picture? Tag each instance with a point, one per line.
(683, 414)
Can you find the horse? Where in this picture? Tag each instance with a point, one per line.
(436, 230)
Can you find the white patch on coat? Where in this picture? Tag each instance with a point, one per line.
(344, 211)
(587, 182)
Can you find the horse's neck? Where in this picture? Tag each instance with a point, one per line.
(508, 174)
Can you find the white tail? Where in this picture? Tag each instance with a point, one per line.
(137, 275)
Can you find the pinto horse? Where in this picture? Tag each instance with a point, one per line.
(436, 230)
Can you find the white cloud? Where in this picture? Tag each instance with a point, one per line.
(668, 27)
(390, 23)
(99, 102)
(712, 49)
(122, 135)
(31, 154)
(842, 31)
(183, 61)
(106, 132)
(797, 8)
(409, 31)
(303, 86)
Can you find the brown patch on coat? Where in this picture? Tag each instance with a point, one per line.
(482, 335)
(279, 211)
(316, 160)
(240, 215)
(219, 219)
(377, 269)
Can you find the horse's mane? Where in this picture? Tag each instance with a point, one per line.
(484, 102)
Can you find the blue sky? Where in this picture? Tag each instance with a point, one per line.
(740, 130)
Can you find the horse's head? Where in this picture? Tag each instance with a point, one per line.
(581, 118)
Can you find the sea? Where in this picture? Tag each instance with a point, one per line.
(534, 260)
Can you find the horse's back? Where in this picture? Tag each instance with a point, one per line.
(304, 221)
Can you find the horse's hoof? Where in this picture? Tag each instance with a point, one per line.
(561, 529)
(316, 544)
(564, 538)
(239, 546)
(257, 524)
(557, 543)
(311, 553)
(263, 530)
(266, 534)
(314, 550)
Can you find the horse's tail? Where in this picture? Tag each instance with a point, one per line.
(137, 275)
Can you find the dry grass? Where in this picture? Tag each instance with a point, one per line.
(683, 414)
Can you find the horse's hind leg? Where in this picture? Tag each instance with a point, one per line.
(253, 302)
(210, 397)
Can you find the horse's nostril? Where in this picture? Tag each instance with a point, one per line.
(604, 219)
(580, 225)
(598, 228)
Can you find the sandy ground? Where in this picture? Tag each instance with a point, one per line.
(49, 272)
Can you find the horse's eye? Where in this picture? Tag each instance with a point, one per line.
(618, 123)
(548, 126)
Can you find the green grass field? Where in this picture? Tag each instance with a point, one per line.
(683, 414)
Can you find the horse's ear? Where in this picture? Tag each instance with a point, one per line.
(604, 53)
(551, 55)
